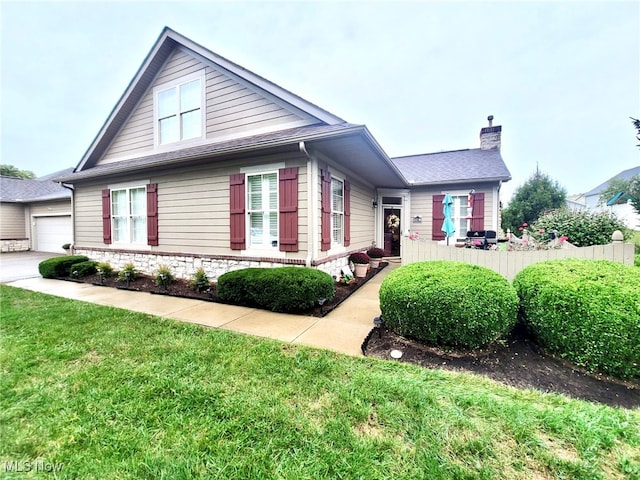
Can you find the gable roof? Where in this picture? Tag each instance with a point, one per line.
(165, 45)
(624, 175)
(23, 190)
(453, 167)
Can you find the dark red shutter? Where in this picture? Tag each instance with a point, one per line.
(237, 219)
(106, 215)
(288, 203)
(477, 214)
(347, 213)
(152, 214)
(437, 218)
(325, 220)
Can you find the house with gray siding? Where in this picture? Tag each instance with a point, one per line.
(203, 163)
(35, 214)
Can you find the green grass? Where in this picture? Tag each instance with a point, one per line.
(110, 394)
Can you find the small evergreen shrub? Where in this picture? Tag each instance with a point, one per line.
(163, 276)
(128, 273)
(83, 269)
(58, 267)
(286, 289)
(586, 311)
(199, 280)
(448, 303)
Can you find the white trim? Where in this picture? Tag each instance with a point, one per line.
(127, 187)
(199, 75)
(262, 251)
(262, 169)
(135, 184)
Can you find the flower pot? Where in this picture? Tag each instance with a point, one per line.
(374, 262)
(361, 269)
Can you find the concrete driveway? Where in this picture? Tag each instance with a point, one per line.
(20, 265)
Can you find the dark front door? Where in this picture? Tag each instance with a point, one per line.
(392, 231)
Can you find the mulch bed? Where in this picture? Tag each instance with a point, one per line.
(517, 362)
(181, 288)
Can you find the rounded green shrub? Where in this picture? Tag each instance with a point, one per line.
(448, 303)
(586, 311)
(58, 267)
(83, 269)
(285, 289)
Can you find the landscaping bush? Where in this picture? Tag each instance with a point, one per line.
(57, 267)
(286, 289)
(199, 280)
(104, 269)
(83, 269)
(582, 228)
(448, 303)
(128, 273)
(587, 311)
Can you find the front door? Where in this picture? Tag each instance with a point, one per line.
(392, 230)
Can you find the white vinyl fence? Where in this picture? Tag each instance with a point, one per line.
(509, 263)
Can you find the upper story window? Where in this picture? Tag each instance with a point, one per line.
(337, 211)
(262, 209)
(129, 215)
(179, 110)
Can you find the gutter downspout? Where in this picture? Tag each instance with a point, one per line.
(73, 213)
(312, 202)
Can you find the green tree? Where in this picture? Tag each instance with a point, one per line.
(629, 188)
(537, 195)
(636, 124)
(11, 171)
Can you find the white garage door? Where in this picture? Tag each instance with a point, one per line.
(51, 233)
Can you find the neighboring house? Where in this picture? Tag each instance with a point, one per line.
(620, 206)
(203, 163)
(35, 214)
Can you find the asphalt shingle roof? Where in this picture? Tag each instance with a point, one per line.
(457, 166)
(624, 175)
(30, 190)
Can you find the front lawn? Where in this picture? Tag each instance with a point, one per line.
(100, 393)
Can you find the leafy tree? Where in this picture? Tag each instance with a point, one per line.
(630, 187)
(537, 195)
(582, 228)
(636, 124)
(11, 171)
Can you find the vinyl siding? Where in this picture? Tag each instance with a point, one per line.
(12, 221)
(422, 205)
(232, 110)
(193, 209)
(61, 207)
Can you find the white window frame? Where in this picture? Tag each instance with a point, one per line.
(460, 211)
(265, 249)
(176, 84)
(340, 242)
(128, 187)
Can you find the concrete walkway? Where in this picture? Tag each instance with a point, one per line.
(342, 330)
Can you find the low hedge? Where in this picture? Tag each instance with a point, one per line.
(586, 311)
(83, 269)
(285, 289)
(448, 303)
(57, 267)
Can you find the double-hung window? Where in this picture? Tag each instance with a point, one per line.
(129, 215)
(337, 211)
(179, 111)
(262, 209)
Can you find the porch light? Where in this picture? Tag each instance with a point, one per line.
(374, 202)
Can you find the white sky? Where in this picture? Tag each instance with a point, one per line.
(562, 78)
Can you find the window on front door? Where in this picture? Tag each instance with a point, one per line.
(262, 209)
(179, 112)
(129, 215)
(337, 211)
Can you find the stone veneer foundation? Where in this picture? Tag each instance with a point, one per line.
(185, 265)
(14, 245)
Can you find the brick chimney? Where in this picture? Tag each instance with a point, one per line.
(490, 136)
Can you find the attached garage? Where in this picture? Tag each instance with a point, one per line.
(51, 232)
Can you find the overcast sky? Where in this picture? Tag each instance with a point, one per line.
(562, 78)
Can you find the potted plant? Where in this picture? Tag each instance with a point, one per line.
(360, 262)
(375, 254)
(67, 248)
